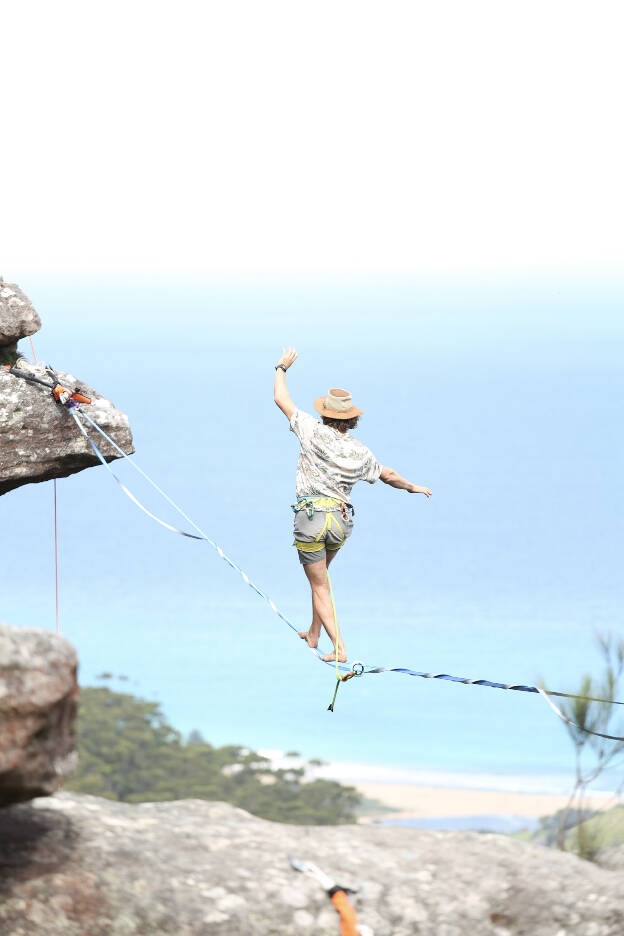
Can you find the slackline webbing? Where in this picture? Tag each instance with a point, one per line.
(365, 670)
(362, 670)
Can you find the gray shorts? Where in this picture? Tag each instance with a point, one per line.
(326, 531)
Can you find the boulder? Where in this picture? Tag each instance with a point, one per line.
(38, 693)
(39, 439)
(18, 319)
(76, 865)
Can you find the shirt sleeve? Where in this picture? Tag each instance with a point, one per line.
(302, 424)
(371, 469)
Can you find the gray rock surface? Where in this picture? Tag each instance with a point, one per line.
(75, 865)
(38, 692)
(612, 858)
(18, 319)
(38, 437)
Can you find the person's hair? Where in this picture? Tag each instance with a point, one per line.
(340, 423)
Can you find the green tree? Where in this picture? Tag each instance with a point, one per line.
(127, 751)
(592, 754)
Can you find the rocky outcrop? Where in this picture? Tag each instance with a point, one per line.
(38, 693)
(39, 439)
(75, 865)
(18, 318)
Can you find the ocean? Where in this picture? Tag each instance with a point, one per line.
(505, 398)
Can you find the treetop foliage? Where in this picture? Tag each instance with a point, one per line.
(127, 751)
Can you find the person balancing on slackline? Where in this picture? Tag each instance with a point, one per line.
(331, 460)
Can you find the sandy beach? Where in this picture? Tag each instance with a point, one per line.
(422, 802)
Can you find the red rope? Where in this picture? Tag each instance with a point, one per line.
(56, 575)
(56, 572)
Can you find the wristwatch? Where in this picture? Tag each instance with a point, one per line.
(282, 367)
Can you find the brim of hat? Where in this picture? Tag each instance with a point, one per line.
(319, 406)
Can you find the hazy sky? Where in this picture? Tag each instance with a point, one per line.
(316, 143)
(289, 137)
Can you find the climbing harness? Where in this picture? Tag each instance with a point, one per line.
(309, 504)
(317, 543)
(344, 673)
(306, 504)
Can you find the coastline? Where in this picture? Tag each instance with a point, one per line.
(401, 794)
(412, 801)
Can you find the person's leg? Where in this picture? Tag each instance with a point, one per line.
(330, 555)
(314, 571)
(342, 652)
(329, 532)
(322, 608)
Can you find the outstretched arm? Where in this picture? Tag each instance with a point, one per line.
(388, 476)
(280, 390)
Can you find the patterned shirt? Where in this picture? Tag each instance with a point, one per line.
(330, 462)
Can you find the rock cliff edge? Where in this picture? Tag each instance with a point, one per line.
(75, 865)
(39, 440)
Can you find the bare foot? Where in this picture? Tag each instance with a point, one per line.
(309, 638)
(331, 657)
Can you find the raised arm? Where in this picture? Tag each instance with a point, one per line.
(280, 390)
(389, 476)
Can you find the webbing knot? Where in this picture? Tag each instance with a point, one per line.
(357, 669)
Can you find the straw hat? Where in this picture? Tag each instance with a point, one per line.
(337, 405)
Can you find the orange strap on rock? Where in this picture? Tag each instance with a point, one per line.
(59, 390)
(348, 916)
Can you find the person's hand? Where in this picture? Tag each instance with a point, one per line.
(415, 489)
(289, 356)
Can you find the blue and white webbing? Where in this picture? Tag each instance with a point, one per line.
(366, 670)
